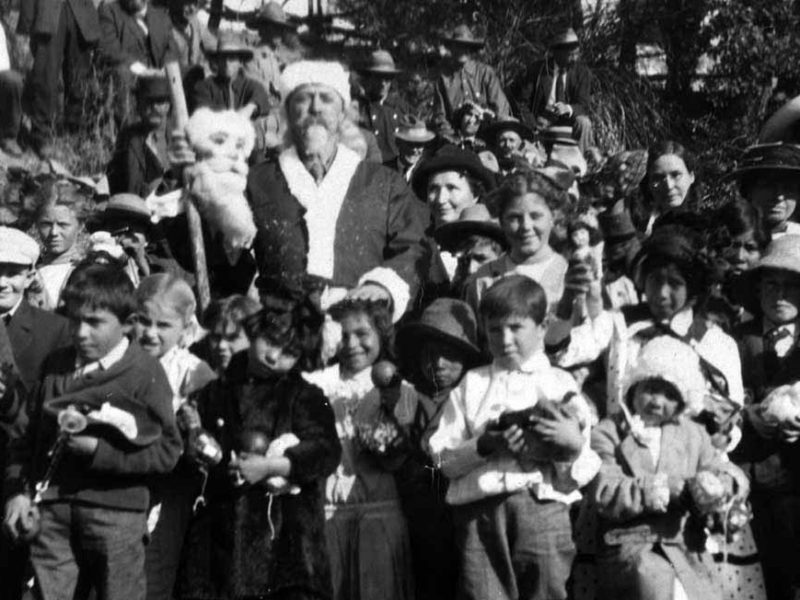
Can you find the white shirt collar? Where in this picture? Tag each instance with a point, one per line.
(104, 364)
(681, 321)
(14, 308)
(535, 363)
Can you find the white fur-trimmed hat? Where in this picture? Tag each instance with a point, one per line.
(674, 361)
(305, 72)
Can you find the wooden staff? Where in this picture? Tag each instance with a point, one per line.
(192, 214)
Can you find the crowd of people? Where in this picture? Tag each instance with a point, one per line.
(468, 356)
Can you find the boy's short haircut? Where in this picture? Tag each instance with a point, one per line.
(654, 385)
(100, 286)
(515, 295)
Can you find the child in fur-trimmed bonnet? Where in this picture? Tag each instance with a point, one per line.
(660, 483)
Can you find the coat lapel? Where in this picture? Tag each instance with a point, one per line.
(637, 457)
(157, 36)
(673, 450)
(20, 329)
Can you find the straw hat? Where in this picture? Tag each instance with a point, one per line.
(380, 63)
(414, 131)
(463, 36)
(271, 13)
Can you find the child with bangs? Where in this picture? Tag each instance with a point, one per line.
(261, 533)
(165, 324)
(514, 441)
(93, 515)
(226, 336)
(366, 530)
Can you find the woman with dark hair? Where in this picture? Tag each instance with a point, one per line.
(670, 180)
(745, 237)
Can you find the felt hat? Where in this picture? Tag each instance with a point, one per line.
(463, 36)
(473, 220)
(125, 209)
(380, 63)
(414, 131)
(565, 39)
(450, 158)
(491, 132)
(153, 88)
(230, 44)
(271, 13)
(446, 319)
(17, 247)
(668, 358)
(782, 254)
(110, 413)
(306, 72)
(778, 157)
(616, 228)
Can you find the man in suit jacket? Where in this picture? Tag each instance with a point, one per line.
(33, 334)
(63, 33)
(135, 38)
(557, 90)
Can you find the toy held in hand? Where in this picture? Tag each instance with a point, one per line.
(781, 406)
(385, 374)
(253, 441)
(708, 492)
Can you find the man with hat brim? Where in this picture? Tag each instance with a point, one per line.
(229, 88)
(769, 178)
(557, 90)
(136, 39)
(512, 141)
(465, 79)
(140, 162)
(380, 110)
(320, 211)
(413, 139)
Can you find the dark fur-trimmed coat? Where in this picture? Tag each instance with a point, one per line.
(229, 551)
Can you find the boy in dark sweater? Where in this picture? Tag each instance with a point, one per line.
(93, 518)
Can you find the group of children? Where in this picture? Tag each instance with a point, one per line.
(457, 454)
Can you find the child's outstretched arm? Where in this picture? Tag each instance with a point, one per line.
(453, 446)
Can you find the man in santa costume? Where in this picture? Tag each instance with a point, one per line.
(321, 211)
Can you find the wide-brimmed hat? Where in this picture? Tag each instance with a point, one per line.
(463, 36)
(446, 319)
(558, 134)
(565, 39)
(777, 157)
(153, 88)
(270, 13)
(451, 158)
(414, 131)
(473, 220)
(782, 254)
(491, 132)
(111, 414)
(128, 209)
(229, 44)
(380, 63)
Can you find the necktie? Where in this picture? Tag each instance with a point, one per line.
(560, 77)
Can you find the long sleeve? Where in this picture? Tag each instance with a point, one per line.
(452, 445)
(495, 96)
(581, 96)
(319, 451)
(586, 341)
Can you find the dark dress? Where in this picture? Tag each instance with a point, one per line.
(230, 551)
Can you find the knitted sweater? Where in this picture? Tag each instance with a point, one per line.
(115, 476)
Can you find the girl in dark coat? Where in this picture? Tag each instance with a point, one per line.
(261, 534)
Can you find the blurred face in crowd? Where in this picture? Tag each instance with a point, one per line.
(775, 195)
(743, 252)
(478, 251)
(666, 291)
(183, 13)
(377, 86)
(361, 344)
(266, 359)
(527, 222)
(654, 408)
(509, 143)
(470, 122)
(154, 111)
(228, 66)
(158, 327)
(14, 280)
(224, 341)
(669, 181)
(449, 192)
(458, 53)
(409, 152)
(58, 227)
(567, 56)
(779, 295)
(442, 364)
(95, 332)
(315, 114)
(514, 339)
(270, 34)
